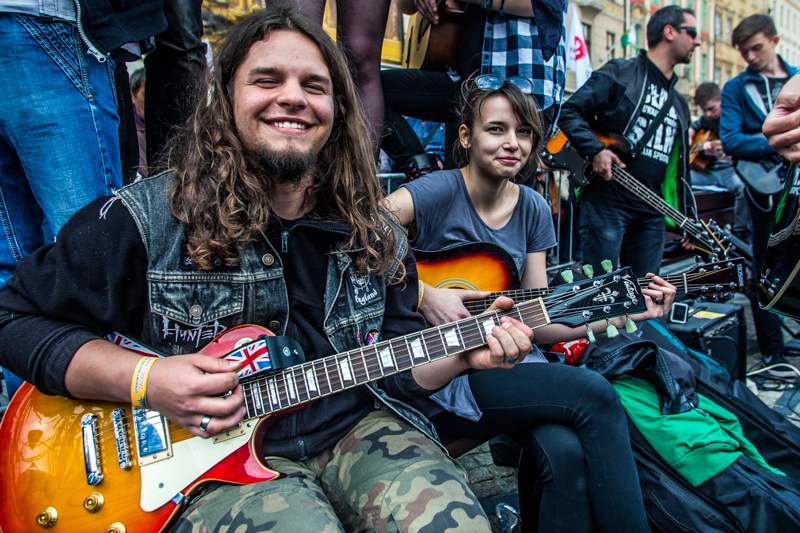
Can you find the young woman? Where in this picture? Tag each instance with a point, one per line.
(569, 419)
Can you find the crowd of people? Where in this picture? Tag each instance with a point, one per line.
(258, 203)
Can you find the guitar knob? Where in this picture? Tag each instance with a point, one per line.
(611, 331)
(606, 264)
(568, 276)
(94, 502)
(588, 270)
(47, 518)
(116, 527)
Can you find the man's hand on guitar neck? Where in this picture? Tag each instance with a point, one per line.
(603, 161)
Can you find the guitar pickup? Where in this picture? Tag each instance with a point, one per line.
(91, 458)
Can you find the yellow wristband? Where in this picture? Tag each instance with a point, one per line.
(139, 383)
(421, 293)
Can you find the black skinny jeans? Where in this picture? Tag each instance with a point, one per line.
(572, 422)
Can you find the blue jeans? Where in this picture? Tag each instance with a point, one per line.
(59, 145)
(631, 238)
(725, 176)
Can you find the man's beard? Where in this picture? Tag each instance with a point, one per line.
(284, 168)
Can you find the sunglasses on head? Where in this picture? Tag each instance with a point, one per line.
(691, 31)
(490, 82)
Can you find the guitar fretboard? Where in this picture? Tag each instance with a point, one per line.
(306, 382)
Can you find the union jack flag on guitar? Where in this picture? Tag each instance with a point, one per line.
(254, 358)
(130, 344)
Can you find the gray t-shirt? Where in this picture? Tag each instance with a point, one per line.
(445, 218)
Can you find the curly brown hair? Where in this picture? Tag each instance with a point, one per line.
(224, 204)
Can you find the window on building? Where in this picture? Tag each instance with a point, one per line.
(717, 26)
(728, 28)
(704, 15)
(587, 36)
(611, 41)
(704, 67)
(717, 75)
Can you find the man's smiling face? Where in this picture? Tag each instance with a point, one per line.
(283, 96)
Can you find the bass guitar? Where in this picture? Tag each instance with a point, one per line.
(487, 267)
(84, 466)
(779, 288)
(558, 152)
(433, 46)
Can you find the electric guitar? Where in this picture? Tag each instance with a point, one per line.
(779, 289)
(487, 267)
(558, 152)
(433, 46)
(85, 466)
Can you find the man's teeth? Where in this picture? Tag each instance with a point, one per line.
(293, 125)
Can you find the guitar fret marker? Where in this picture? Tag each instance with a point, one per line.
(417, 349)
(311, 380)
(488, 325)
(273, 392)
(257, 402)
(451, 337)
(386, 358)
(344, 368)
(290, 386)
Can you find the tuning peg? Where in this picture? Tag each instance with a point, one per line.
(714, 258)
(607, 266)
(727, 296)
(590, 334)
(701, 299)
(698, 259)
(588, 270)
(630, 325)
(568, 276)
(611, 331)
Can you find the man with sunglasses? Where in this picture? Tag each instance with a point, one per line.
(636, 100)
(519, 40)
(746, 101)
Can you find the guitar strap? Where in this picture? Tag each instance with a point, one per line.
(651, 129)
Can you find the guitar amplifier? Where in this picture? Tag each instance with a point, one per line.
(717, 330)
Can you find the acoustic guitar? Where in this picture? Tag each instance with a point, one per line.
(698, 160)
(433, 46)
(83, 466)
(487, 267)
(558, 152)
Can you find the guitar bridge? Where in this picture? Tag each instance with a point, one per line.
(94, 474)
(121, 439)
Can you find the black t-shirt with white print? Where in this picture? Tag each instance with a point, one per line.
(650, 164)
(775, 86)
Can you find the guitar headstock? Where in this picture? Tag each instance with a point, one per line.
(712, 279)
(606, 296)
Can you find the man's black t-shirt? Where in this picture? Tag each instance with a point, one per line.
(650, 164)
(775, 86)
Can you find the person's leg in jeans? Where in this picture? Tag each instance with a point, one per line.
(420, 94)
(643, 244)
(175, 71)
(602, 231)
(725, 176)
(515, 401)
(59, 145)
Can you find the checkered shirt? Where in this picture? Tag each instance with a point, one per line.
(511, 48)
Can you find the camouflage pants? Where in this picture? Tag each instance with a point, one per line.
(384, 475)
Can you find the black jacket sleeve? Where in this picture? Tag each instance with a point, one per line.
(89, 283)
(597, 97)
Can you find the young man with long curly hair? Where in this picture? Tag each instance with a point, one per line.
(270, 216)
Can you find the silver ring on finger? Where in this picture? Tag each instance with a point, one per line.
(204, 423)
(510, 360)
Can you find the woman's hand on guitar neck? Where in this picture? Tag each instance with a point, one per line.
(659, 290)
(602, 164)
(442, 306)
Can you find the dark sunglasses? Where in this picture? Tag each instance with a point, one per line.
(490, 82)
(691, 31)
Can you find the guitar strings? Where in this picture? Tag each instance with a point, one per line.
(529, 312)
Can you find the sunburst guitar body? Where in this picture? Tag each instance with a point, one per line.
(475, 267)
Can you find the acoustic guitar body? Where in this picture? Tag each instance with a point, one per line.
(433, 46)
(475, 267)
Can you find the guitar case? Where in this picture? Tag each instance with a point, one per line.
(741, 498)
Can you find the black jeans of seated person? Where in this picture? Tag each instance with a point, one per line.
(571, 423)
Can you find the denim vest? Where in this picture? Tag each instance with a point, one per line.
(188, 308)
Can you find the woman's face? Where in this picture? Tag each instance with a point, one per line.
(497, 143)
